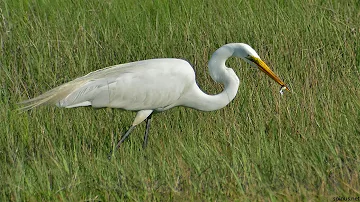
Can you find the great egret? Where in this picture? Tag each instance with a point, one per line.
(153, 85)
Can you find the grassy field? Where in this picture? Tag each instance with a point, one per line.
(262, 146)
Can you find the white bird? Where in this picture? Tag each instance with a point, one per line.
(153, 85)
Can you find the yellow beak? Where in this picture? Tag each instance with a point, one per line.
(263, 67)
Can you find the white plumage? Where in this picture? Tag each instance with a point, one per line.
(153, 85)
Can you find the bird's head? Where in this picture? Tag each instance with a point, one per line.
(250, 56)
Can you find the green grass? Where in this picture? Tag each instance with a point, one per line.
(262, 146)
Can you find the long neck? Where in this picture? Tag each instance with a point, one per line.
(219, 73)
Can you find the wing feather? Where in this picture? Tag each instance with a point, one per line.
(147, 84)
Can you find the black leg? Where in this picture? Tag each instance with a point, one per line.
(122, 140)
(148, 121)
(124, 137)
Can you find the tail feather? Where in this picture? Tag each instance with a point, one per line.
(52, 96)
(59, 93)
